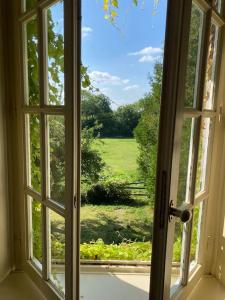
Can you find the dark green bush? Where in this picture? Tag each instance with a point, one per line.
(110, 193)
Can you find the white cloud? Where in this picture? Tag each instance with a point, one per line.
(86, 31)
(131, 87)
(148, 58)
(106, 78)
(125, 81)
(148, 54)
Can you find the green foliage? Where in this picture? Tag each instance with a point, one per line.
(127, 118)
(30, 3)
(56, 59)
(96, 109)
(35, 156)
(32, 56)
(37, 230)
(146, 132)
(110, 8)
(92, 163)
(57, 231)
(109, 193)
(192, 61)
(57, 157)
(125, 251)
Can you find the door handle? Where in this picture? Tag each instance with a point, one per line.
(184, 214)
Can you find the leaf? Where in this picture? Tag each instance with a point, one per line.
(135, 2)
(113, 13)
(114, 3)
(106, 5)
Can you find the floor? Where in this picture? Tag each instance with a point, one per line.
(114, 286)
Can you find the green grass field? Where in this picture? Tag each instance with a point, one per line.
(115, 224)
(120, 156)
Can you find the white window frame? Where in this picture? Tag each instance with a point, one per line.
(71, 112)
(169, 149)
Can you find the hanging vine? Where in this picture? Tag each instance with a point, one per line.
(110, 8)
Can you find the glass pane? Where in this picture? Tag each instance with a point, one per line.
(185, 165)
(177, 254)
(196, 227)
(205, 143)
(57, 158)
(209, 89)
(57, 230)
(217, 5)
(194, 48)
(34, 167)
(121, 78)
(36, 232)
(55, 21)
(32, 88)
(30, 4)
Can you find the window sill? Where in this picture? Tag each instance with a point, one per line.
(19, 286)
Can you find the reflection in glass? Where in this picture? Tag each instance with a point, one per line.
(196, 224)
(217, 5)
(185, 165)
(36, 232)
(32, 87)
(204, 144)
(57, 157)
(57, 231)
(34, 167)
(194, 48)
(209, 89)
(55, 21)
(177, 254)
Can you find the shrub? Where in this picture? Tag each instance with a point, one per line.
(108, 193)
(125, 251)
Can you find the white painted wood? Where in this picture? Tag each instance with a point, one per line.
(18, 286)
(208, 288)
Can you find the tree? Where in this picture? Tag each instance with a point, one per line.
(92, 163)
(146, 132)
(127, 117)
(96, 110)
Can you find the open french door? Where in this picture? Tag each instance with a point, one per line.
(187, 121)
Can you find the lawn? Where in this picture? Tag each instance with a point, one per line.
(115, 224)
(120, 156)
(117, 231)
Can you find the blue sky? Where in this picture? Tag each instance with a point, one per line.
(120, 57)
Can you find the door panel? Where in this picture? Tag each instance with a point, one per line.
(176, 44)
(185, 145)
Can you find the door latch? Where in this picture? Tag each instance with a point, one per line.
(182, 213)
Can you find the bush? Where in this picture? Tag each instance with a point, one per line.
(125, 251)
(108, 193)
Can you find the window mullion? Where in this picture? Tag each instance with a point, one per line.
(44, 143)
(203, 61)
(188, 227)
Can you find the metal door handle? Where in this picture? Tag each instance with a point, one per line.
(184, 215)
